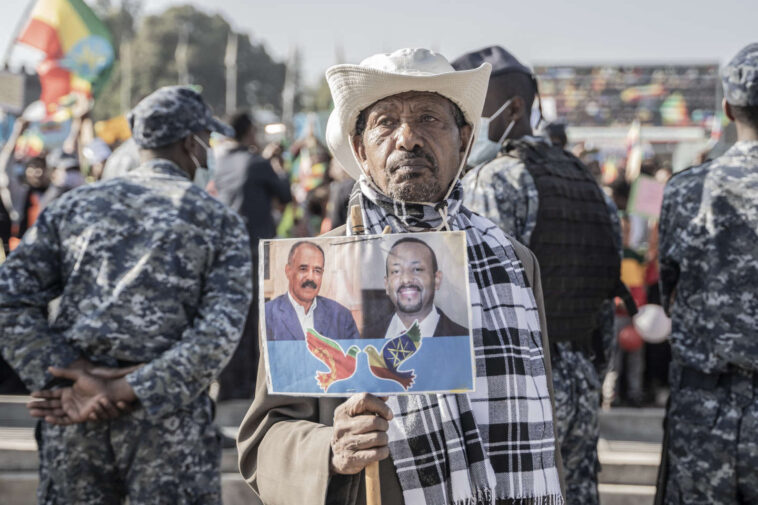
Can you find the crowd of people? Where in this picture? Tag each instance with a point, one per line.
(122, 300)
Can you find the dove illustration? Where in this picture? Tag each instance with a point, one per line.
(341, 365)
(394, 353)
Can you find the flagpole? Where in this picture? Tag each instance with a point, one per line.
(19, 24)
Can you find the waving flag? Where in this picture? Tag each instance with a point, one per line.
(341, 365)
(77, 45)
(394, 353)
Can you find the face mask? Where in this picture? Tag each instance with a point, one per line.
(203, 174)
(484, 149)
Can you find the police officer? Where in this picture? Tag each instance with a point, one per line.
(547, 199)
(709, 274)
(153, 276)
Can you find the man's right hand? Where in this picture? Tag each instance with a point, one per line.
(49, 404)
(360, 434)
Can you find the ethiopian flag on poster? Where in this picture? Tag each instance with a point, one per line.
(77, 46)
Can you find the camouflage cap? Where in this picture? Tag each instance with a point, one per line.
(501, 60)
(740, 77)
(171, 113)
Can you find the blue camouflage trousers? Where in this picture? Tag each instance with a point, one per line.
(577, 401)
(713, 441)
(169, 460)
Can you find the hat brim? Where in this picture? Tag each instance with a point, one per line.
(218, 126)
(355, 87)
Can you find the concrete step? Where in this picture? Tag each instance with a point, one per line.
(632, 424)
(20, 488)
(13, 412)
(629, 452)
(628, 463)
(18, 451)
(625, 494)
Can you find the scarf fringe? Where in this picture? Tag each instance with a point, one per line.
(484, 497)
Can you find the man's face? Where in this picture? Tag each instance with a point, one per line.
(411, 146)
(411, 281)
(304, 273)
(36, 175)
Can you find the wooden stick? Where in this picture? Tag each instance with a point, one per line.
(373, 486)
(356, 220)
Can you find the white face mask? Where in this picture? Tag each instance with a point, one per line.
(203, 175)
(484, 149)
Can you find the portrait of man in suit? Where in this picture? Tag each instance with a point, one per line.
(412, 277)
(288, 316)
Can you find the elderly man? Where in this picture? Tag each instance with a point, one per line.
(153, 276)
(412, 277)
(709, 273)
(289, 316)
(402, 125)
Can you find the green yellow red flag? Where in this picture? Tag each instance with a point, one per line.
(77, 46)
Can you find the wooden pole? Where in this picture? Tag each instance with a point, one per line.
(373, 486)
(356, 220)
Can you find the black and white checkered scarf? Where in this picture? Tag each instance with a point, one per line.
(495, 445)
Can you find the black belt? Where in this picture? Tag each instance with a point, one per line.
(695, 379)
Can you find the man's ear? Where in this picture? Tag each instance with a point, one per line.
(727, 109)
(188, 143)
(437, 280)
(465, 132)
(516, 109)
(360, 151)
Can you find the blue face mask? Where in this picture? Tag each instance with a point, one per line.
(484, 149)
(203, 175)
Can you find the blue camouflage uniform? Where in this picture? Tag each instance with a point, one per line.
(149, 269)
(504, 191)
(709, 274)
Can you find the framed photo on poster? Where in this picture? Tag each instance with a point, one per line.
(383, 314)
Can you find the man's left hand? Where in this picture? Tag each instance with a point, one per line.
(90, 398)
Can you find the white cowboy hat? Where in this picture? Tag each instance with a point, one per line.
(355, 87)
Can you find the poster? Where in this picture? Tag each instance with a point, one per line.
(384, 314)
(646, 197)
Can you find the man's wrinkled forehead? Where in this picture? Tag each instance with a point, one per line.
(417, 100)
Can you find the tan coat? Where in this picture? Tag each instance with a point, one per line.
(284, 441)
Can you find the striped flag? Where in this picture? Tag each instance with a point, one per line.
(77, 46)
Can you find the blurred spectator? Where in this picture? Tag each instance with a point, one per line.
(556, 132)
(247, 183)
(66, 175)
(339, 197)
(10, 383)
(96, 153)
(35, 182)
(628, 367)
(309, 166)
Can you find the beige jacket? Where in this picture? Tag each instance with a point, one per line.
(284, 441)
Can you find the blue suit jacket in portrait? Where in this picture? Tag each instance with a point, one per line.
(329, 318)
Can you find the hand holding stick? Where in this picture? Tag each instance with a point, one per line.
(373, 485)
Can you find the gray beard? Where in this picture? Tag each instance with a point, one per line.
(412, 191)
